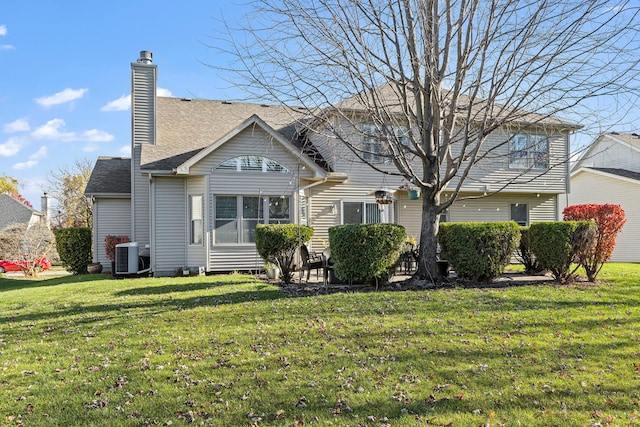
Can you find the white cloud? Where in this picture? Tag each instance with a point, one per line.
(3, 30)
(66, 95)
(54, 129)
(33, 159)
(25, 165)
(51, 130)
(6, 47)
(10, 148)
(95, 135)
(20, 125)
(121, 104)
(40, 154)
(124, 102)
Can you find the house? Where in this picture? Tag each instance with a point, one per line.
(203, 173)
(13, 211)
(609, 172)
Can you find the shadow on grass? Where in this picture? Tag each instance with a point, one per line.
(103, 310)
(186, 287)
(10, 284)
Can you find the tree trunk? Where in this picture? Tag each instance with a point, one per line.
(427, 268)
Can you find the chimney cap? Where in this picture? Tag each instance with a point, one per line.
(146, 57)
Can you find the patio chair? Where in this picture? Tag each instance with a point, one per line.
(310, 261)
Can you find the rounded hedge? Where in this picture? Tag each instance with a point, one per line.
(478, 251)
(74, 248)
(366, 253)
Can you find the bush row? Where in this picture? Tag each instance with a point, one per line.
(480, 251)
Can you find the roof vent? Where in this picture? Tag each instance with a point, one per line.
(146, 57)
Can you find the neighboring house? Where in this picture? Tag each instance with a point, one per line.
(13, 211)
(204, 173)
(609, 172)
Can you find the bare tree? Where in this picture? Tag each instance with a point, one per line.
(67, 187)
(27, 245)
(450, 72)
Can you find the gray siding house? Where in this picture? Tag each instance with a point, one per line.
(203, 173)
(13, 211)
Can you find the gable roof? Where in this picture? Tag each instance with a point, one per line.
(252, 121)
(187, 126)
(14, 211)
(614, 172)
(110, 176)
(629, 140)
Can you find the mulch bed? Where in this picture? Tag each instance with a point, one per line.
(403, 283)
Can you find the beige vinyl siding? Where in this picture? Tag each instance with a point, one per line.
(493, 172)
(592, 187)
(169, 225)
(196, 254)
(143, 112)
(487, 209)
(541, 208)
(489, 174)
(607, 153)
(324, 197)
(110, 217)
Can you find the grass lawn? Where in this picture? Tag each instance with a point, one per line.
(233, 351)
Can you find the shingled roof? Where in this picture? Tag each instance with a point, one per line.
(619, 172)
(14, 211)
(629, 138)
(387, 95)
(110, 176)
(186, 126)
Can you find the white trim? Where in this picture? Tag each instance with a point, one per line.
(587, 169)
(183, 169)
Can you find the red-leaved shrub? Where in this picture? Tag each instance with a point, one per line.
(609, 219)
(110, 243)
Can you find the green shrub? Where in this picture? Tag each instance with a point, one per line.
(524, 254)
(366, 253)
(278, 243)
(74, 248)
(478, 251)
(557, 244)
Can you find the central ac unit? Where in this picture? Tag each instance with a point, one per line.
(127, 258)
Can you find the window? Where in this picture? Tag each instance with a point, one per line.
(196, 218)
(226, 219)
(371, 144)
(529, 151)
(252, 164)
(361, 213)
(236, 217)
(279, 210)
(520, 213)
(373, 148)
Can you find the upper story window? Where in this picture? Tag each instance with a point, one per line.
(373, 148)
(251, 163)
(529, 151)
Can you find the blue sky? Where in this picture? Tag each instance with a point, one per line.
(65, 75)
